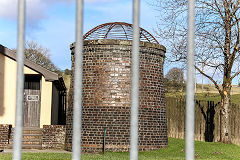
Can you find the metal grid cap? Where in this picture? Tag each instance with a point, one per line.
(117, 30)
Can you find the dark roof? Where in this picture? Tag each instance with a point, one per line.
(60, 84)
(117, 30)
(48, 75)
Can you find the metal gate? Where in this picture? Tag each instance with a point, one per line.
(78, 83)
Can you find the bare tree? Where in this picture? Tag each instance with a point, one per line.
(39, 55)
(217, 43)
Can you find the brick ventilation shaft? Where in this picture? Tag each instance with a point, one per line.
(106, 96)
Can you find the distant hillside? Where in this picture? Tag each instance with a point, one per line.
(210, 88)
(66, 79)
(209, 92)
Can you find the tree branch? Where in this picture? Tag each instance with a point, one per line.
(219, 11)
(236, 49)
(237, 73)
(210, 78)
(235, 9)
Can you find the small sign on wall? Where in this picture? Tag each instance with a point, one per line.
(32, 98)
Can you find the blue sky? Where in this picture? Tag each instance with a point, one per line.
(51, 23)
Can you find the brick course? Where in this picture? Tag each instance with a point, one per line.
(4, 135)
(53, 136)
(106, 96)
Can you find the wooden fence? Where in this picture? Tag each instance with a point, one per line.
(207, 120)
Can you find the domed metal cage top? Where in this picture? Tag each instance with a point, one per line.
(117, 30)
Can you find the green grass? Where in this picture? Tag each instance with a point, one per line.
(216, 97)
(39, 156)
(175, 150)
(235, 98)
(208, 97)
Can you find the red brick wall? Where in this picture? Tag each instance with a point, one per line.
(106, 96)
(53, 137)
(4, 132)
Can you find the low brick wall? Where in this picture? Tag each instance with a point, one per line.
(53, 137)
(4, 135)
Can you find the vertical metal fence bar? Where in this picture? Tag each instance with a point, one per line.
(190, 111)
(135, 83)
(17, 140)
(77, 106)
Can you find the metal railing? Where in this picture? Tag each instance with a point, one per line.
(77, 104)
(190, 111)
(78, 83)
(17, 139)
(135, 84)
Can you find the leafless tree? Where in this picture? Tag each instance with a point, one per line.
(39, 55)
(217, 43)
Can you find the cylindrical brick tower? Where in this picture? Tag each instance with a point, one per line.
(106, 91)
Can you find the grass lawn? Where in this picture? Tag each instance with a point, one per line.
(235, 98)
(216, 97)
(175, 150)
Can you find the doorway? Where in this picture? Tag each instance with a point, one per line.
(32, 101)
